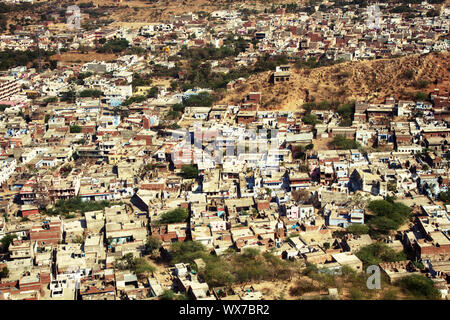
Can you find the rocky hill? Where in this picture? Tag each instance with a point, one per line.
(371, 80)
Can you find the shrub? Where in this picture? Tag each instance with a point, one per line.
(419, 287)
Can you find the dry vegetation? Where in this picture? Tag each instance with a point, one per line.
(136, 11)
(68, 57)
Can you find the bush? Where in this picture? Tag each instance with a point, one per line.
(302, 287)
(419, 287)
(421, 96)
(248, 266)
(346, 112)
(153, 92)
(421, 84)
(444, 196)
(167, 295)
(187, 251)
(130, 100)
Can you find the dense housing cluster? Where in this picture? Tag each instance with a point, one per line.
(128, 177)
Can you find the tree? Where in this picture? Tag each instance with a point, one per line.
(378, 252)
(419, 287)
(75, 129)
(216, 276)
(153, 92)
(7, 240)
(187, 251)
(91, 93)
(113, 46)
(153, 243)
(167, 295)
(142, 267)
(357, 229)
(444, 196)
(203, 99)
(360, 201)
(4, 273)
(310, 119)
(388, 215)
(189, 171)
(392, 186)
(174, 216)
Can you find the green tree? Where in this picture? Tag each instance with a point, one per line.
(167, 295)
(310, 119)
(419, 287)
(378, 252)
(153, 92)
(357, 228)
(153, 243)
(187, 251)
(340, 142)
(75, 129)
(142, 267)
(7, 240)
(91, 93)
(4, 273)
(388, 215)
(189, 171)
(392, 186)
(174, 216)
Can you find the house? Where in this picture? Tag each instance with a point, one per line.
(348, 259)
(47, 232)
(397, 270)
(281, 76)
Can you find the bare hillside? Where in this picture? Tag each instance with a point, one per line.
(371, 80)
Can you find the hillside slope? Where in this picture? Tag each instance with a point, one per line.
(371, 80)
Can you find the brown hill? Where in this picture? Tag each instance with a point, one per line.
(135, 11)
(370, 80)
